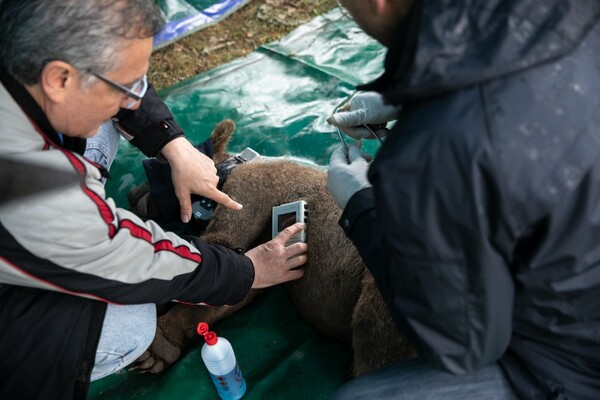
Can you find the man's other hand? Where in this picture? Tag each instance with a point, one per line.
(193, 172)
(275, 263)
(346, 175)
(366, 108)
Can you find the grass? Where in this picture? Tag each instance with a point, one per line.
(258, 22)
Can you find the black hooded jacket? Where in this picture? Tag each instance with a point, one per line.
(482, 228)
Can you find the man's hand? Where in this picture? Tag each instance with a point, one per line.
(364, 108)
(346, 176)
(193, 172)
(274, 263)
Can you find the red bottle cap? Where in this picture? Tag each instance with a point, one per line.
(202, 328)
(211, 338)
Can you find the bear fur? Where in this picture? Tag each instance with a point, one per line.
(337, 294)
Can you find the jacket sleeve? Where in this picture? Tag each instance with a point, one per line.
(151, 126)
(359, 222)
(428, 243)
(80, 243)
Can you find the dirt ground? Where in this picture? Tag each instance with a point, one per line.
(258, 22)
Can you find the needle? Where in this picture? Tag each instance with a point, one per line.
(341, 135)
(373, 133)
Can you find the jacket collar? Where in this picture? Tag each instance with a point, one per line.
(445, 45)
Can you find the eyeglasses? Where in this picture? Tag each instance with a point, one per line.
(135, 92)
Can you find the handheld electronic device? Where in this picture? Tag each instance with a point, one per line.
(203, 208)
(288, 214)
(248, 154)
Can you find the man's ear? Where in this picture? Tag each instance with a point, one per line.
(57, 79)
(380, 6)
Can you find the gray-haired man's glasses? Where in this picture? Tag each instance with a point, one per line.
(135, 92)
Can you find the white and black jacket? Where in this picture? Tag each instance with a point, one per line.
(64, 254)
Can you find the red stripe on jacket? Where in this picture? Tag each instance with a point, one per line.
(141, 232)
(107, 215)
(56, 287)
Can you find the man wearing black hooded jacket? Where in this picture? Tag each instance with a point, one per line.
(480, 216)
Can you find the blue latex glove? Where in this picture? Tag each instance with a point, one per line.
(364, 108)
(346, 175)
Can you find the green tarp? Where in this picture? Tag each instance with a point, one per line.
(279, 96)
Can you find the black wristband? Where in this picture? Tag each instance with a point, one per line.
(150, 126)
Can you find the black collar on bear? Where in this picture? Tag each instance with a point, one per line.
(203, 207)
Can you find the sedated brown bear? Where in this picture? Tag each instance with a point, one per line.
(337, 294)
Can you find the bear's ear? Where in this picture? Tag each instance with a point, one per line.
(220, 137)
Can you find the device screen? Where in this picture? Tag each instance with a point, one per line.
(285, 220)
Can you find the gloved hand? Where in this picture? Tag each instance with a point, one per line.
(346, 178)
(364, 108)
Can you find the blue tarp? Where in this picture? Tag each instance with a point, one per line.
(186, 17)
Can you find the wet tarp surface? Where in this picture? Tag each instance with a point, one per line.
(185, 17)
(279, 97)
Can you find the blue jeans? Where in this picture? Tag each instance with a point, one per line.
(416, 379)
(127, 330)
(102, 147)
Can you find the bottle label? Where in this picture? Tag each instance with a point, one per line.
(231, 386)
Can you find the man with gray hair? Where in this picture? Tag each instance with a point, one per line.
(79, 277)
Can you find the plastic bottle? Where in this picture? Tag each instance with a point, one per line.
(219, 358)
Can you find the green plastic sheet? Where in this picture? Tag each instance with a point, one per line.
(279, 97)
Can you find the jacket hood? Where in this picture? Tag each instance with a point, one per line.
(445, 45)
